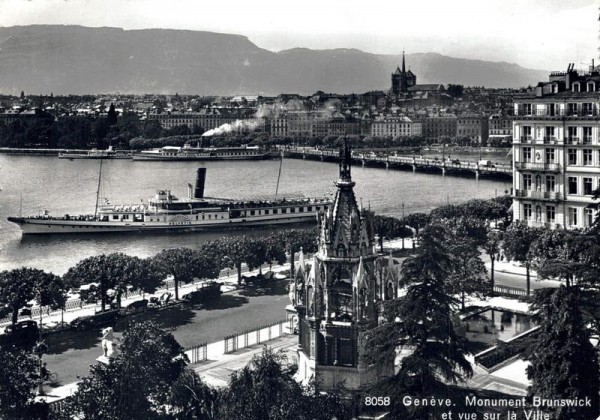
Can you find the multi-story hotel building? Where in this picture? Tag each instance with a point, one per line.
(206, 118)
(395, 126)
(556, 150)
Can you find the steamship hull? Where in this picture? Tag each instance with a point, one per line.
(167, 213)
(159, 158)
(200, 154)
(42, 226)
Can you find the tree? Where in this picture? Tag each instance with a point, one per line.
(256, 254)
(91, 270)
(564, 364)
(151, 130)
(191, 398)
(387, 228)
(111, 117)
(124, 270)
(456, 91)
(229, 251)
(18, 378)
(469, 274)
(115, 271)
(294, 239)
(492, 247)
(137, 383)
(595, 227)
(518, 239)
(150, 276)
(264, 389)
(19, 286)
(275, 250)
(185, 264)
(417, 221)
(422, 321)
(570, 256)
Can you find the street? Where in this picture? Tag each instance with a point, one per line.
(71, 353)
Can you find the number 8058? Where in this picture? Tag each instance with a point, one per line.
(375, 401)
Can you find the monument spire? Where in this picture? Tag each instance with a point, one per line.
(345, 163)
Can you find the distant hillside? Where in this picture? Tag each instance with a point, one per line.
(77, 60)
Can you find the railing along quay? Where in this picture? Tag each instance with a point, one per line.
(393, 161)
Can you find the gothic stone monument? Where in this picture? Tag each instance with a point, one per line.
(337, 299)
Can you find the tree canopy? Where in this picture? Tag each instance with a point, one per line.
(563, 362)
(422, 323)
(518, 240)
(18, 378)
(21, 285)
(185, 264)
(264, 389)
(136, 384)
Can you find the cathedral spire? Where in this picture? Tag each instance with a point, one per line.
(403, 64)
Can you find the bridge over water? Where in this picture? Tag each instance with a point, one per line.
(414, 163)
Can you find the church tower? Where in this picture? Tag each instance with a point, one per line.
(402, 79)
(338, 298)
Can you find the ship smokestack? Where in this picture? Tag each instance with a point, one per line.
(200, 178)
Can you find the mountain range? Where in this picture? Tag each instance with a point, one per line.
(40, 59)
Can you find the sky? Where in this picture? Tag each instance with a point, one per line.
(538, 34)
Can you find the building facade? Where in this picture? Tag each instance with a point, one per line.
(556, 151)
(474, 127)
(395, 126)
(440, 126)
(208, 118)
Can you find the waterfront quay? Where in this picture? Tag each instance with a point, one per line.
(444, 166)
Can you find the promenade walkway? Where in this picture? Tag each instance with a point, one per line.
(55, 318)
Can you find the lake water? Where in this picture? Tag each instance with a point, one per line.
(63, 186)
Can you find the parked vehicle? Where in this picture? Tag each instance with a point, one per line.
(162, 301)
(22, 333)
(135, 307)
(259, 278)
(99, 319)
(205, 293)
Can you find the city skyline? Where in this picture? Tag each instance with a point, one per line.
(511, 31)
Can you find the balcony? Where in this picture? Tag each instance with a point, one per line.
(538, 224)
(556, 113)
(573, 140)
(581, 113)
(526, 139)
(538, 195)
(555, 167)
(550, 140)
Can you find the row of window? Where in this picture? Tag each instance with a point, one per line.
(571, 108)
(573, 186)
(573, 215)
(551, 131)
(583, 157)
(307, 209)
